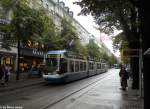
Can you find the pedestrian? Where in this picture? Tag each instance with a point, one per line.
(2, 72)
(123, 77)
(39, 67)
(7, 72)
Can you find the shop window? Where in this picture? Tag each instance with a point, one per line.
(8, 60)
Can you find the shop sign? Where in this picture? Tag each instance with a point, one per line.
(36, 52)
(131, 52)
(31, 52)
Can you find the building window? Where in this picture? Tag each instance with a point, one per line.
(47, 6)
(41, 2)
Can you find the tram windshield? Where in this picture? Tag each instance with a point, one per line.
(56, 64)
(53, 63)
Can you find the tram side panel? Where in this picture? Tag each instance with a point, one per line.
(98, 68)
(76, 70)
(91, 68)
(104, 67)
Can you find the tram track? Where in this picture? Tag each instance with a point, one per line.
(92, 84)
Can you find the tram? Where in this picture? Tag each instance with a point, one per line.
(63, 66)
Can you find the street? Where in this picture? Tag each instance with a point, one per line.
(46, 95)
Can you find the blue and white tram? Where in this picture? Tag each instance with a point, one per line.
(63, 66)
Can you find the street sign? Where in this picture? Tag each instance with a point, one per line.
(130, 52)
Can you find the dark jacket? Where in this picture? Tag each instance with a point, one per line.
(123, 74)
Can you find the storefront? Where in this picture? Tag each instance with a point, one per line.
(30, 57)
(8, 57)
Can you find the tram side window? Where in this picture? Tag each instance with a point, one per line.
(91, 66)
(63, 66)
(98, 66)
(76, 66)
(71, 66)
(102, 66)
(81, 66)
(84, 66)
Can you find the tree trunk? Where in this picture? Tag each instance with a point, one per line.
(135, 72)
(144, 16)
(135, 66)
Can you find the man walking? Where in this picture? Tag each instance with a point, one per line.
(124, 76)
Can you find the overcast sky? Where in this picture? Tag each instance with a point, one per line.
(88, 23)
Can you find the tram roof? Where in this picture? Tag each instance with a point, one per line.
(57, 52)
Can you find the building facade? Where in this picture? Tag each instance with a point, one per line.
(30, 56)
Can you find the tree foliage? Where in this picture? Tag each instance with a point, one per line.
(117, 14)
(93, 50)
(29, 24)
(111, 15)
(112, 60)
(68, 34)
(120, 42)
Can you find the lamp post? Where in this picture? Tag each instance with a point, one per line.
(140, 58)
(18, 61)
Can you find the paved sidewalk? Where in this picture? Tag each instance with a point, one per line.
(106, 95)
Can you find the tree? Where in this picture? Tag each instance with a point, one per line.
(111, 15)
(112, 60)
(93, 50)
(120, 43)
(27, 24)
(68, 34)
(48, 35)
